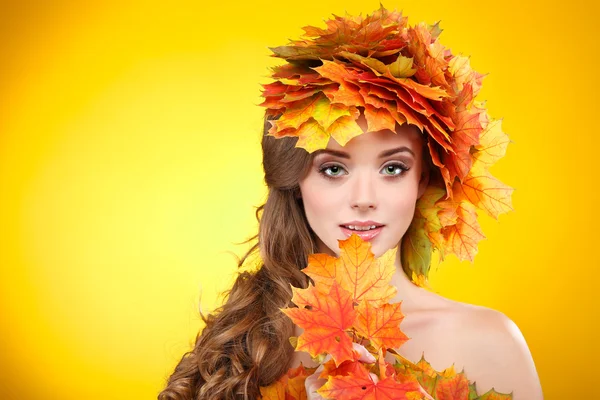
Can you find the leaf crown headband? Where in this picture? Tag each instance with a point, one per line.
(397, 74)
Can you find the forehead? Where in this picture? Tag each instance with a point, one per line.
(405, 135)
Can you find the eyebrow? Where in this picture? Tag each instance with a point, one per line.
(383, 154)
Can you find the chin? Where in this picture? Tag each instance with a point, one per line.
(380, 249)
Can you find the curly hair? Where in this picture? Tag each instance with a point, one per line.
(245, 341)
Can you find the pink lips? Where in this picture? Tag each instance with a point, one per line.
(364, 235)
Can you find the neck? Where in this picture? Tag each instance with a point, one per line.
(408, 292)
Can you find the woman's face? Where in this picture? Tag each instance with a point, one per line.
(369, 187)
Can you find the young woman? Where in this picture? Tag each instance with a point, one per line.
(357, 174)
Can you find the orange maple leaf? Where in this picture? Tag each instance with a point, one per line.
(379, 119)
(289, 387)
(325, 317)
(452, 387)
(275, 391)
(380, 324)
(356, 270)
(361, 386)
(295, 388)
(346, 368)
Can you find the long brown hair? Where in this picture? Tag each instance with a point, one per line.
(245, 343)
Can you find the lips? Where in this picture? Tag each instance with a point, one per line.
(366, 230)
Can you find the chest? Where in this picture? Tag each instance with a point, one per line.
(433, 335)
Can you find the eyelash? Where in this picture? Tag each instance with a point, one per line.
(400, 165)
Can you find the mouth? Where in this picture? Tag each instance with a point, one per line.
(365, 230)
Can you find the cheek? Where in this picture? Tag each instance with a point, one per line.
(317, 199)
(401, 203)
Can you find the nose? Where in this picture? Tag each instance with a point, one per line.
(363, 193)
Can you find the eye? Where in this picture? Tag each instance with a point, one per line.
(394, 169)
(331, 171)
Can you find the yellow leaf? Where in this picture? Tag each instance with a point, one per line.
(484, 191)
(300, 111)
(343, 129)
(326, 113)
(402, 67)
(356, 270)
(492, 144)
(312, 136)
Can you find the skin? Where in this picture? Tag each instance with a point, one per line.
(364, 186)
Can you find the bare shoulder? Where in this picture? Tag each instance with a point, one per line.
(495, 353)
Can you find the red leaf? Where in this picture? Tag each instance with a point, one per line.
(362, 387)
(325, 317)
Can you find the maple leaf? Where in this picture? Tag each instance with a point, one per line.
(433, 93)
(429, 208)
(289, 386)
(452, 387)
(347, 92)
(462, 238)
(300, 111)
(275, 391)
(473, 391)
(381, 325)
(370, 35)
(421, 281)
(344, 369)
(402, 67)
(466, 134)
(493, 395)
(343, 129)
(326, 113)
(460, 68)
(416, 245)
(325, 317)
(484, 191)
(435, 158)
(305, 92)
(379, 119)
(296, 389)
(311, 135)
(492, 144)
(361, 386)
(422, 372)
(424, 232)
(356, 271)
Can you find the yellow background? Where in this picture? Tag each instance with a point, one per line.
(130, 165)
